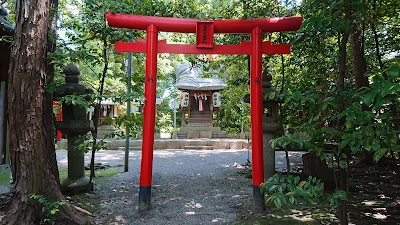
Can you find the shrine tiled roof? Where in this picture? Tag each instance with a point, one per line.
(188, 77)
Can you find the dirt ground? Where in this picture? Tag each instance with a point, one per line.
(375, 195)
(374, 199)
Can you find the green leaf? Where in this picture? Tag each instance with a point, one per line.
(306, 185)
(54, 211)
(355, 147)
(291, 199)
(376, 145)
(296, 180)
(378, 154)
(273, 188)
(324, 106)
(369, 97)
(388, 90)
(379, 102)
(396, 148)
(277, 202)
(330, 163)
(394, 71)
(42, 200)
(343, 164)
(344, 143)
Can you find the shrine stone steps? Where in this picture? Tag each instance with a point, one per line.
(200, 128)
(139, 148)
(198, 121)
(200, 113)
(198, 147)
(200, 117)
(220, 134)
(195, 124)
(135, 145)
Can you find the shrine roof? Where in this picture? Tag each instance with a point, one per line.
(189, 77)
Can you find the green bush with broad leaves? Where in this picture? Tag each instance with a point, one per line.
(283, 190)
(375, 129)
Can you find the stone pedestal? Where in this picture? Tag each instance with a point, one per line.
(76, 158)
(271, 126)
(76, 182)
(77, 186)
(269, 156)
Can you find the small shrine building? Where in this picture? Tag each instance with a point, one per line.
(200, 101)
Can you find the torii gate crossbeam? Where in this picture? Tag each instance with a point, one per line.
(204, 33)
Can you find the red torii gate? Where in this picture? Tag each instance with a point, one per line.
(205, 45)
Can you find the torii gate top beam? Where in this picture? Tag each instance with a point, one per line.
(180, 25)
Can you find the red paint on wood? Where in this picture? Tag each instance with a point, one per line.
(205, 34)
(243, 48)
(256, 107)
(182, 25)
(146, 166)
(59, 118)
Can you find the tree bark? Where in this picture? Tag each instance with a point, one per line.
(343, 172)
(32, 155)
(359, 62)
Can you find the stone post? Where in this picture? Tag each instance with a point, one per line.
(74, 123)
(76, 162)
(271, 125)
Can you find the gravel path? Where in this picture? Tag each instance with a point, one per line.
(189, 187)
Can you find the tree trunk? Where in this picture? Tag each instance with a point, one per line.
(343, 172)
(359, 62)
(359, 70)
(32, 155)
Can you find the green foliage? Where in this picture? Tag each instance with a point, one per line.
(282, 190)
(77, 100)
(49, 209)
(84, 143)
(81, 144)
(374, 129)
(131, 121)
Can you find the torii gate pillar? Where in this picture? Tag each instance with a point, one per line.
(256, 115)
(205, 31)
(146, 167)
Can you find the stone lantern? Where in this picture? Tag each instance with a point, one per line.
(74, 123)
(271, 125)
